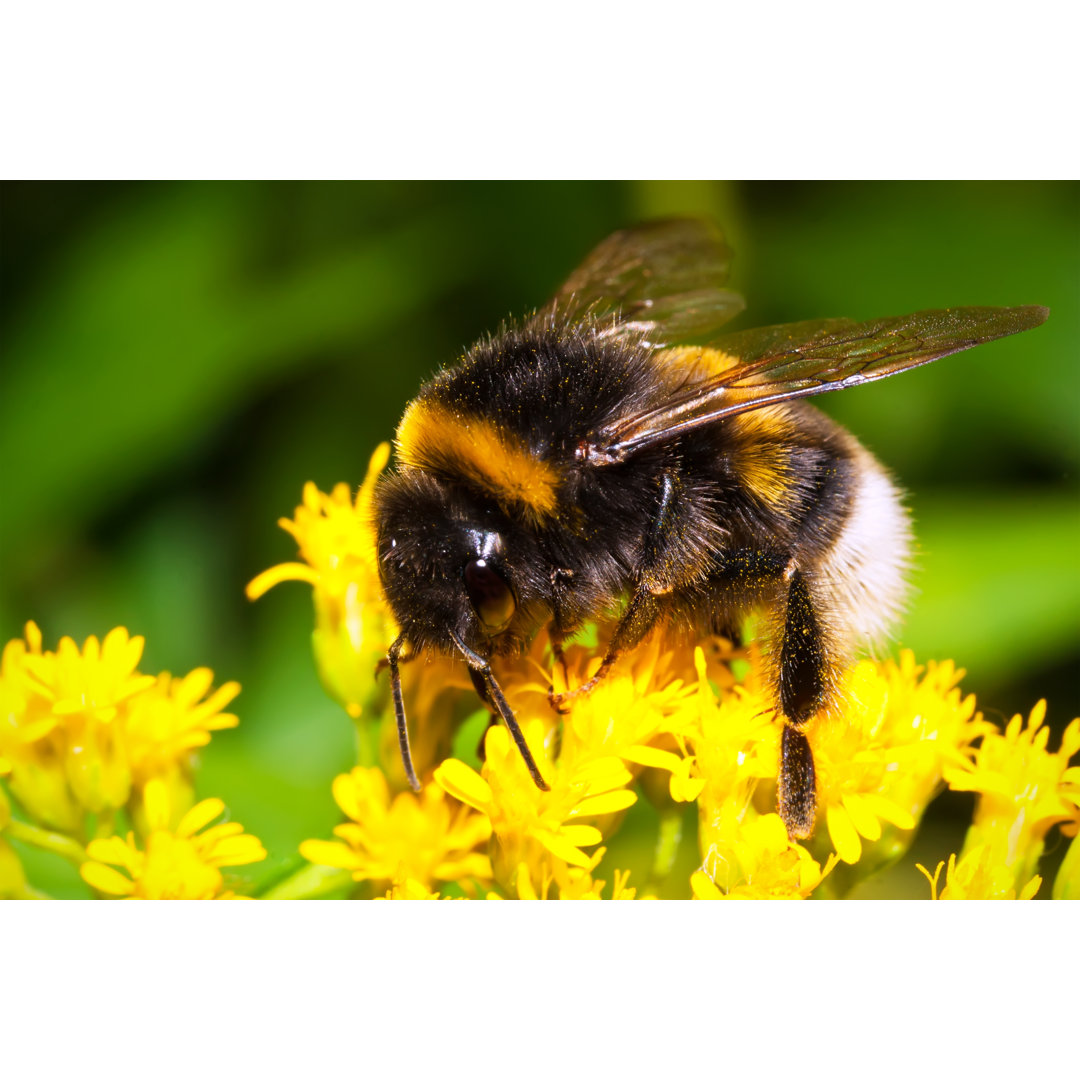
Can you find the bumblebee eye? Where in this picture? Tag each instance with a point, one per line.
(490, 594)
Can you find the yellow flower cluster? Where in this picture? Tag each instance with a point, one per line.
(85, 737)
(1024, 791)
(84, 731)
(421, 840)
(670, 722)
(335, 538)
(178, 863)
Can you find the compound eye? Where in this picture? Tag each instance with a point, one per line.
(490, 594)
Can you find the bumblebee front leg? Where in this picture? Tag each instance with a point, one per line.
(482, 668)
(393, 657)
(636, 622)
(658, 575)
(803, 668)
(560, 584)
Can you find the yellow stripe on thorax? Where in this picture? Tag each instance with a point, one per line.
(760, 457)
(434, 437)
(755, 439)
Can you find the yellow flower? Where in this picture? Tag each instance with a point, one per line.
(1024, 790)
(93, 682)
(763, 865)
(421, 838)
(530, 826)
(573, 883)
(639, 700)
(61, 709)
(170, 719)
(881, 755)
(978, 876)
(407, 888)
(736, 738)
(353, 626)
(79, 727)
(180, 864)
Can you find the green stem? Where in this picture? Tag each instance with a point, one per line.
(1067, 882)
(367, 741)
(106, 824)
(310, 883)
(667, 845)
(57, 843)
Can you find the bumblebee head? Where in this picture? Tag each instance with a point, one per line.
(452, 564)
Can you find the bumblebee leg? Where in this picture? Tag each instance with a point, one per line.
(481, 688)
(557, 631)
(637, 621)
(384, 663)
(654, 580)
(483, 668)
(399, 712)
(482, 693)
(802, 692)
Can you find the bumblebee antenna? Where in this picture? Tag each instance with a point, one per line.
(399, 711)
(483, 669)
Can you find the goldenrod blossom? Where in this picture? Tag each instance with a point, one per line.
(977, 876)
(1024, 790)
(425, 838)
(529, 825)
(881, 755)
(572, 883)
(353, 625)
(407, 888)
(763, 864)
(84, 691)
(84, 730)
(177, 864)
(173, 717)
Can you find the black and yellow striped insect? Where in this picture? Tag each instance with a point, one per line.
(590, 459)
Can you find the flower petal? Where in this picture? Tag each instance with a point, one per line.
(889, 811)
(563, 849)
(581, 835)
(607, 803)
(465, 784)
(862, 817)
(703, 887)
(844, 837)
(329, 853)
(198, 816)
(105, 879)
(652, 756)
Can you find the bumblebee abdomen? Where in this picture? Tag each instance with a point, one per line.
(864, 571)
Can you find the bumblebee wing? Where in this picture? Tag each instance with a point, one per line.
(778, 363)
(661, 281)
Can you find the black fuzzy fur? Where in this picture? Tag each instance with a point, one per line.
(718, 552)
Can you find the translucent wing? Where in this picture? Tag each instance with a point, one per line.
(662, 280)
(778, 363)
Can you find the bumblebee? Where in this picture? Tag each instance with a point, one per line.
(589, 460)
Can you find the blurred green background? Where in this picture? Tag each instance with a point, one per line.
(179, 358)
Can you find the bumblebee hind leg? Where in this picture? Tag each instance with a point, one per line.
(803, 667)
